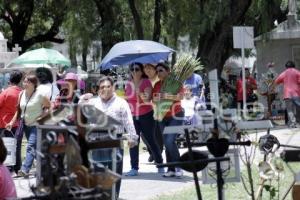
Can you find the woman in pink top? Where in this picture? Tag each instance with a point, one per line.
(138, 92)
(290, 78)
(7, 186)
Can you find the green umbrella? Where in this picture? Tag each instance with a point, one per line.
(42, 56)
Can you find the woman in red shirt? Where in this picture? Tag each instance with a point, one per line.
(174, 117)
(8, 107)
(138, 92)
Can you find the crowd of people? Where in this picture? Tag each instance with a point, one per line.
(31, 96)
(21, 107)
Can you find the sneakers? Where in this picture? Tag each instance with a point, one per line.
(160, 170)
(292, 125)
(13, 174)
(169, 174)
(23, 174)
(132, 172)
(178, 173)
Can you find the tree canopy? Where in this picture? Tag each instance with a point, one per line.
(28, 22)
(207, 23)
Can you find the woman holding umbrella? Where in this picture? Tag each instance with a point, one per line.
(138, 94)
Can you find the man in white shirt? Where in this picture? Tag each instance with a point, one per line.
(46, 86)
(112, 105)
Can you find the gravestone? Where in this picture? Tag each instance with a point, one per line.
(279, 45)
(5, 56)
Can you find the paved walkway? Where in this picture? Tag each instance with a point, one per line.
(149, 184)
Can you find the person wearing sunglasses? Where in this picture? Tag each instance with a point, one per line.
(138, 92)
(150, 71)
(174, 117)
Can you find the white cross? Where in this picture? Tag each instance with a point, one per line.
(17, 48)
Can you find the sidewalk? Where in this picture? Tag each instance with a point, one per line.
(149, 184)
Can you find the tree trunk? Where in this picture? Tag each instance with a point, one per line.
(72, 54)
(19, 20)
(157, 16)
(214, 47)
(84, 55)
(111, 23)
(137, 20)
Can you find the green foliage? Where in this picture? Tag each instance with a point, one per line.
(81, 28)
(185, 67)
(31, 21)
(272, 190)
(112, 21)
(261, 14)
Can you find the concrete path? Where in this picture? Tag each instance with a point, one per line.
(149, 184)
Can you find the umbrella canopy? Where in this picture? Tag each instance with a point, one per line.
(42, 56)
(143, 51)
(23, 67)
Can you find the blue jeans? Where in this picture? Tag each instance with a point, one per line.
(172, 152)
(296, 101)
(145, 124)
(31, 136)
(103, 156)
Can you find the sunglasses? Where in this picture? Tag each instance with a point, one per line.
(104, 86)
(160, 70)
(135, 69)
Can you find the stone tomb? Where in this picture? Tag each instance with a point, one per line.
(6, 57)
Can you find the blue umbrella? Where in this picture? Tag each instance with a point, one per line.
(143, 51)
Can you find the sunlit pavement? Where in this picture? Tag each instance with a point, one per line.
(149, 184)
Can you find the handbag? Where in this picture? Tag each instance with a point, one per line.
(19, 132)
(252, 97)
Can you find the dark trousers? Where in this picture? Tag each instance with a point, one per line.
(157, 136)
(104, 156)
(172, 151)
(145, 124)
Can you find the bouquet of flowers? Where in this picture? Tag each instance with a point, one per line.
(182, 70)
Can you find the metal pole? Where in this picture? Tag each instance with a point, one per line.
(243, 75)
(220, 181)
(188, 141)
(114, 169)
